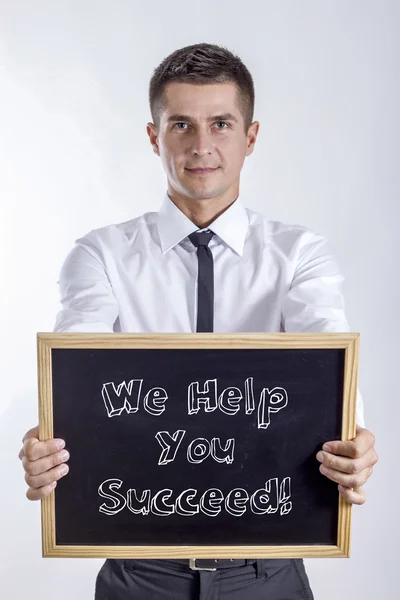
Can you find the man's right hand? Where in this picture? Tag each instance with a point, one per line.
(43, 462)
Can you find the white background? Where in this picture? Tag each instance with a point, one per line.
(75, 155)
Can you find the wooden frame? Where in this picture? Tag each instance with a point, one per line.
(47, 341)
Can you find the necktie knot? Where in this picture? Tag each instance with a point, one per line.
(201, 238)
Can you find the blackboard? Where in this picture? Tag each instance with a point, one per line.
(195, 445)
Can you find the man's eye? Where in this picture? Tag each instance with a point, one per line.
(181, 123)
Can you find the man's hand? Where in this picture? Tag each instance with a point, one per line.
(41, 462)
(350, 464)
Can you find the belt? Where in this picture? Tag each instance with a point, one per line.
(212, 564)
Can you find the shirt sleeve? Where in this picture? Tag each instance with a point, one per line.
(314, 301)
(87, 299)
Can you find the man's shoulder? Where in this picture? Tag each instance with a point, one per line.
(117, 232)
(274, 230)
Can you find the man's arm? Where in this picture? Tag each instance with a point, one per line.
(88, 302)
(315, 303)
(88, 305)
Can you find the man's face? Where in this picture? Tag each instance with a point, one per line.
(202, 128)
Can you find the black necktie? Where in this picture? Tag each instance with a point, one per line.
(205, 280)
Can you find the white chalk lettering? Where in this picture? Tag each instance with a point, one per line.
(138, 506)
(265, 501)
(208, 396)
(198, 450)
(170, 444)
(223, 454)
(210, 502)
(249, 396)
(154, 401)
(229, 400)
(271, 402)
(158, 505)
(284, 495)
(126, 397)
(118, 500)
(116, 399)
(236, 502)
(183, 506)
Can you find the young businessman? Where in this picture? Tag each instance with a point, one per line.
(151, 274)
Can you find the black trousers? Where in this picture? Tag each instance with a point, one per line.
(167, 579)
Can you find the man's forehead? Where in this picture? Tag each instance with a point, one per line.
(201, 101)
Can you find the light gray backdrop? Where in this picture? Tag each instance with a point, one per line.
(74, 155)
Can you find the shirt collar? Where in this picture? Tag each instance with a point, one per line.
(231, 226)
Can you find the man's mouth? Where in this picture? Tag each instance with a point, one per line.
(202, 171)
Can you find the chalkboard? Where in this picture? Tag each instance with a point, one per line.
(196, 445)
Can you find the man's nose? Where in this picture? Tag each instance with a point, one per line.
(202, 143)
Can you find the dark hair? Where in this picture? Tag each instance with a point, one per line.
(201, 64)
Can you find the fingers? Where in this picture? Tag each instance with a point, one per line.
(355, 448)
(40, 493)
(46, 478)
(350, 481)
(42, 483)
(348, 465)
(33, 449)
(356, 496)
(44, 465)
(34, 433)
(43, 462)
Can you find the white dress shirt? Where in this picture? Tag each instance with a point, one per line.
(141, 276)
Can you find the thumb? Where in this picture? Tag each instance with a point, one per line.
(32, 433)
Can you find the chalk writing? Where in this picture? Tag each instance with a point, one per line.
(127, 397)
(267, 500)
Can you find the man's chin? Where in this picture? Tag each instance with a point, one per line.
(204, 196)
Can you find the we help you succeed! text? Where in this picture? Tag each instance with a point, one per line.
(274, 496)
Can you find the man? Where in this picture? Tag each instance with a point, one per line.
(204, 262)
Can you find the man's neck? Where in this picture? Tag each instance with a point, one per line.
(202, 212)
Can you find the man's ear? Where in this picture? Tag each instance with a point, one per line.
(252, 137)
(153, 135)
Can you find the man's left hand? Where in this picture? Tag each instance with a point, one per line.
(350, 464)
